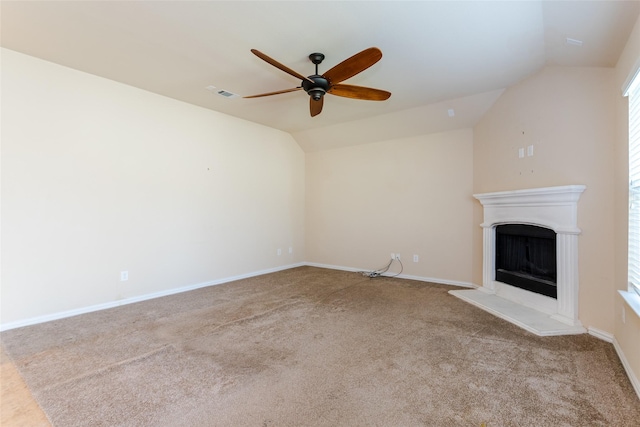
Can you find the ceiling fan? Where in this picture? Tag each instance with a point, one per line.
(318, 85)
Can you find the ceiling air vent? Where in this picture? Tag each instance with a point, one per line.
(222, 92)
(574, 42)
(227, 94)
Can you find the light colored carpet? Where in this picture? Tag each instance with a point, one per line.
(316, 347)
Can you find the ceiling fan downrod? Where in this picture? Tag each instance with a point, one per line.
(320, 85)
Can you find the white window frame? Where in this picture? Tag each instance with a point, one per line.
(633, 94)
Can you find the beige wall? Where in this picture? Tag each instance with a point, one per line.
(627, 332)
(99, 177)
(567, 114)
(411, 196)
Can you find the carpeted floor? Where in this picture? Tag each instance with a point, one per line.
(316, 347)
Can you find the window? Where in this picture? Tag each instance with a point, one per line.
(634, 184)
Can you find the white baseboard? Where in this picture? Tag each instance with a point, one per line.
(333, 267)
(401, 276)
(139, 298)
(634, 380)
(604, 336)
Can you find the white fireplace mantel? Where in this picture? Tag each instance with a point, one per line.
(552, 207)
(555, 208)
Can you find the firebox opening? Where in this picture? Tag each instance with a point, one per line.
(526, 258)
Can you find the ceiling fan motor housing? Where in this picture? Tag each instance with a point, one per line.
(318, 88)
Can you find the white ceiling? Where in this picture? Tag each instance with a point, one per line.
(437, 55)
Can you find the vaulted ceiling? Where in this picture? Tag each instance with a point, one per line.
(437, 55)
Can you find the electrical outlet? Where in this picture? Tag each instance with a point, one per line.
(416, 258)
(279, 251)
(124, 276)
(393, 256)
(398, 257)
(290, 249)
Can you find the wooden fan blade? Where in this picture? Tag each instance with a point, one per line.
(273, 93)
(359, 92)
(315, 106)
(279, 65)
(354, 65)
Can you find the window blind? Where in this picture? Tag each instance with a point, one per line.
(634, 184)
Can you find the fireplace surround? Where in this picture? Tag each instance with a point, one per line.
(554, 208)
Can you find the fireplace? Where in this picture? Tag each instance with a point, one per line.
(526, 258)
(550, 214)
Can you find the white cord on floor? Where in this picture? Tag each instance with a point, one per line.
(380, 272)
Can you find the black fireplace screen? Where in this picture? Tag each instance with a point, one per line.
(526, 258)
